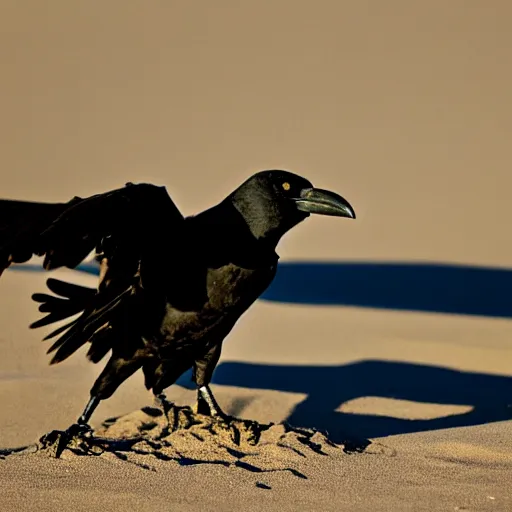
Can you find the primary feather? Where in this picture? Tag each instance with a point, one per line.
(123, 226)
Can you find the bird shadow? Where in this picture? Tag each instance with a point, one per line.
(489, 397)
(402, 286)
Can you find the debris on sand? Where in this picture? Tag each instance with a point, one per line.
(179, 434)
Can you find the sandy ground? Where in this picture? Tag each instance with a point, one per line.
(399, 441)
(384, 388)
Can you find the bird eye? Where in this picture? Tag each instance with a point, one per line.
(286, 185)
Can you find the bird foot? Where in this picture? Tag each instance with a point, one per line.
(215, 413)
(57, 441)
(79, 429)
(238, 429)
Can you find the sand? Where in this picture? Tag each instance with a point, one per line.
(382, 381)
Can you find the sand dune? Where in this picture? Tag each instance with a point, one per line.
(376, 374)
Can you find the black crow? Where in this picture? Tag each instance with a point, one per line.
(171, 287)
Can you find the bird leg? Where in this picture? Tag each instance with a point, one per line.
(82, 426)
(89, 409)
(202, 375)
(207, 405)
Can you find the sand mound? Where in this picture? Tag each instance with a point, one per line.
(179, 434)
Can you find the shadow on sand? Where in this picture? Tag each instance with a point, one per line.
(429, 287)
(327, 387)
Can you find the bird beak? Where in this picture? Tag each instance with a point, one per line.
(324, 202)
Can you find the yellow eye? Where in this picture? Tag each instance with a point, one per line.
(286, 185)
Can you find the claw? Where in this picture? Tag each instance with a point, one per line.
(79, 429)
(57, 440)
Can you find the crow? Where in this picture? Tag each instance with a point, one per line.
(171, 288)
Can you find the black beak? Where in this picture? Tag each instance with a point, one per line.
(324, 202)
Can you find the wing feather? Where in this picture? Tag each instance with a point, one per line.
(126, 227)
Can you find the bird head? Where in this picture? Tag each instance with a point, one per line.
(272, 202)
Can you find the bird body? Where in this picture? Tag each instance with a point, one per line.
(171, 288)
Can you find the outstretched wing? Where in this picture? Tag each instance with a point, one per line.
(65, 233)
(127, 229)
(21, 223)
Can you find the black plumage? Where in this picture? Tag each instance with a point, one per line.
(171, 287)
